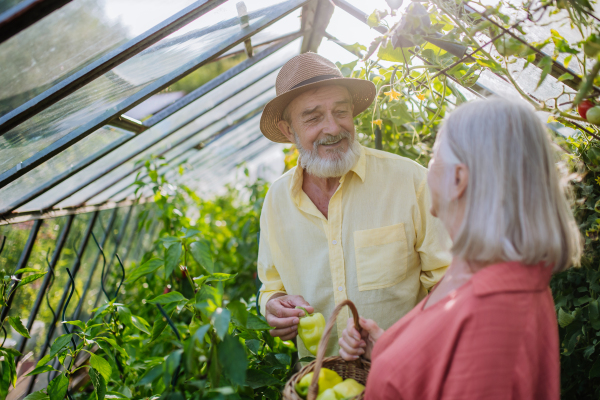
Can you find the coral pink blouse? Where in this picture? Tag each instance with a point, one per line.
(496, 337)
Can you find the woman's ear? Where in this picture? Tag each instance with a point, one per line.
(461, 180)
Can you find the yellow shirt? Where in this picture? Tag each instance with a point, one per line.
(380, 246)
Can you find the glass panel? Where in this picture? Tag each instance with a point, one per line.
(195, 42)
(69, 38)
(25, 297)
(285, 26)
(220, 118)
(90, 145)
(16, 237)
(188, 115)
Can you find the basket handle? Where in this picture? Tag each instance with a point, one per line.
(313, 389)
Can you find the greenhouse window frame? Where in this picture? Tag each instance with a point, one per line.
(282, 10)
(170, 110)
(105, 63)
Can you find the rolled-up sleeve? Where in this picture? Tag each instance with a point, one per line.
(433, 243)
(267, 272)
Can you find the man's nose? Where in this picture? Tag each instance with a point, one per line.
(330, 125)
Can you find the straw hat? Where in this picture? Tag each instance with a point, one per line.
(305, 72)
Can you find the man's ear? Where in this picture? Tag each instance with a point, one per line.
(286, 129)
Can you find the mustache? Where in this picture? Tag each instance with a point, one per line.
(330, 139)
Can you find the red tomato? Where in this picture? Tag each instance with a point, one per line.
(583, 107)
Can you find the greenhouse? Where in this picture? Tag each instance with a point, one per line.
(133, 172)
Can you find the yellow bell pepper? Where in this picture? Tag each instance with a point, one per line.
(348, 388)
(310, 330)
(329, 394)
(327, 380)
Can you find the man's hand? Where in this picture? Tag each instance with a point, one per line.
(353, 344)
(282, 314)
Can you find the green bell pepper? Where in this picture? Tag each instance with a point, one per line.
(327, 380)
(310, 330)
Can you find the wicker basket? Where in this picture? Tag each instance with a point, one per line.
(357, 370)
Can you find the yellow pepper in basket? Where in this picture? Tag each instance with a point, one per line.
(329, 394)
(348, 388)
(327, 380)
(310, 330)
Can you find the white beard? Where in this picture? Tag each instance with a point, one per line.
(337, 164)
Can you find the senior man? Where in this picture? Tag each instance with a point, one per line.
(348, 222)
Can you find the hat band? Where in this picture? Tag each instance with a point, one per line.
(315, 79)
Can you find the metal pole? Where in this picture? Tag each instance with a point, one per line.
(118, 241)
(61, 304)
(25, 254)
(62, 239)
(25, 14)
(88, 282)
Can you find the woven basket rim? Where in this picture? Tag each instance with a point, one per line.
(289, 390)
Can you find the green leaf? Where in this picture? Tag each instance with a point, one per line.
(565, 77)
(30, 278)
(59, 344)
(42, 369)
(115, 395)
(140, 323)
(389, 53)
(220, 320)
(595, 370)
(253, 345)
(114, 345)
(564, 318)
(9, 352)
(257, 323)
(18, 326)
(37, 396)
(44, 360)
(200, 333)
(78, 324)
(306, 359)
(24, 270)
(373, 20)
(232, 358)
(150, 375)
(146, 268)
(546, 65)
(100, 365)
(202, 255)
(167, 298)
(257, 379)
(159, 326)
(99, 383)
(238, 312)
(218, 277)
(172, 256)
(57, 388)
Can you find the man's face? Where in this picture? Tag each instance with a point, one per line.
(320, 117)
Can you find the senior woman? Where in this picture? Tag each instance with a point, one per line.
(488, 330)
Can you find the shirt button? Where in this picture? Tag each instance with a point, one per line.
(334, 242)
(340, 288)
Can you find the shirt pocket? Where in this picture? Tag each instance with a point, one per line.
(381, 257)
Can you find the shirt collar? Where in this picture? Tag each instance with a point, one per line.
(360, 169)
(511, 277)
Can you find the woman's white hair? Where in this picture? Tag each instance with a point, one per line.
(516, 209)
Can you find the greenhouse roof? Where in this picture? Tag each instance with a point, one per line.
(73, 70)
